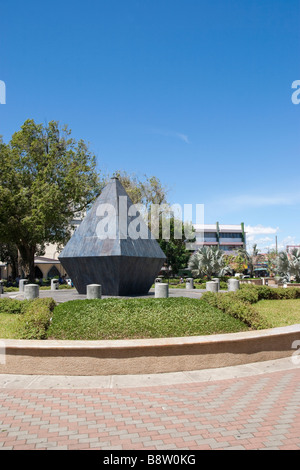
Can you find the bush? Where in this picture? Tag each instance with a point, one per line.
(36, 319)
(247, 295)
(12, 306)
(238, 305)
(10, 289)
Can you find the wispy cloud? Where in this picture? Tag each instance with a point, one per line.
(261, 236)
(183, 137)
(260, 230)
(173, 134)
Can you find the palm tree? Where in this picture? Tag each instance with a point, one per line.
(208, 261)
(294, 264)
(250, 258)
(288, 264)
(282, 265)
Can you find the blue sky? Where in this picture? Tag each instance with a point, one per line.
(195, 92)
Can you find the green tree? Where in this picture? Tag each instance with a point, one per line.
(271, 261)
(294, 264)
(9, 254)
(287, 265)
(249, 258)
(209, 261)
(145, 191)
(175, 248)
(46, 176)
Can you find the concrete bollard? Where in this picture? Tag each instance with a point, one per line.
(161, 290)
(22, 283)
(233, 285)
(54, 284)
(217, 280)
(31, 291)
(189, 283)
(212, 286)
(93, 291)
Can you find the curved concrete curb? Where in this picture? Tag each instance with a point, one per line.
(145, 356)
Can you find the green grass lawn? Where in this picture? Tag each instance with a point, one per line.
(8, 326)
(135, 318)
(139, 318)
(280, 312)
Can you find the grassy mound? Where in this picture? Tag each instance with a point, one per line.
(138, 318)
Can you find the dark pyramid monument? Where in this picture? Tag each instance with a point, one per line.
(112, 248)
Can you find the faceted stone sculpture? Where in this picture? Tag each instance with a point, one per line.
(113, 247)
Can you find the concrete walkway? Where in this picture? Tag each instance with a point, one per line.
(256, 406)
(65, 295)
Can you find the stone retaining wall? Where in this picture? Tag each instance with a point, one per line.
(145, 356)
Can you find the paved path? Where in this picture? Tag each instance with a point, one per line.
(64, 295)
(256, 406)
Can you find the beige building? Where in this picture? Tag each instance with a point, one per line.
(46, 266)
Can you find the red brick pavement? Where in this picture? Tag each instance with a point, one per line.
(257, 412)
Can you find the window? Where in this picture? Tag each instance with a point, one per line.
(237, 236)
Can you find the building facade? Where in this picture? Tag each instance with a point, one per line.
(228, 238)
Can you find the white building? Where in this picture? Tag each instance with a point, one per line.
(228, 238)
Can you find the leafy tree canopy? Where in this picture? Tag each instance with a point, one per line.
(45, 177)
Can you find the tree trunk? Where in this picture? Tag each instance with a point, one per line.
(27, 253)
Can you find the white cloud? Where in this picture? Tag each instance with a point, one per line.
(260, 230)
(266, 243)
(183, 137)
(178, 135)
(254, 236)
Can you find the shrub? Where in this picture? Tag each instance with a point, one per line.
(12, 306)
(36, 319)
(237, 305)
(247, 295)
(11, 289)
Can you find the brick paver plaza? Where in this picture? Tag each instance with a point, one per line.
(261, 411)
(248, 407)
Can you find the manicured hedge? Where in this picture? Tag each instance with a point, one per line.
(35, 322)
(241, 304)
(12, 306)
(34, 316)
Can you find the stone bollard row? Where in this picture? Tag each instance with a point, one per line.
(93, 291)
(233, 285)
(54, 284)
(189, 283)
(22, 283)
(161, 290)
(212, 286)
(217, 280)
(31, 291)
